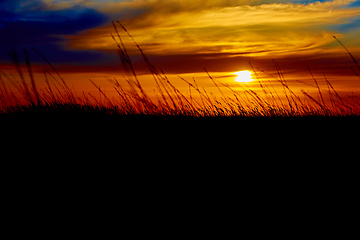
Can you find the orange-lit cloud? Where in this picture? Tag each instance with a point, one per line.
(185, 36)
(233, 27)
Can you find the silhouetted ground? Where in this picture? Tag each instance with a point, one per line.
(68, 138)
(73, 119)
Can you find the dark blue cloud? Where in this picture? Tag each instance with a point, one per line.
(26, 24)
(352, 25)
(355, 4)
(352, 4)
(309, 1)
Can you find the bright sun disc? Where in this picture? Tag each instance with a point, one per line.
(243, 76)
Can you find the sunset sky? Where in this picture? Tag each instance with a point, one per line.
(182, 37)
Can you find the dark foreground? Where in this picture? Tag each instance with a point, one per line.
(216, 146)
(73, 122)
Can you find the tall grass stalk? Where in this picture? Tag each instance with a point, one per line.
(198, 102)
(352, 57)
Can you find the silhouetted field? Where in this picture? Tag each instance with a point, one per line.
(57, 105)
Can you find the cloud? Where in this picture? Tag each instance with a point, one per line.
(26, 24)
(233, 27)
(74, 30)
(176, 6)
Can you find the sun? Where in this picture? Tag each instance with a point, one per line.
(243, 76)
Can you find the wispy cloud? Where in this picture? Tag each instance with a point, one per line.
(256, 28)
(212, 31)
(39, 24)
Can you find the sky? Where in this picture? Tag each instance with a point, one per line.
(185, 36)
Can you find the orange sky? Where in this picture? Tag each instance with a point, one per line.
(183, 37)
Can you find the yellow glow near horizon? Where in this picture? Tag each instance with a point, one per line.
(243, 76)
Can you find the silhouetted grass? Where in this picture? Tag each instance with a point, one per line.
(59, 100)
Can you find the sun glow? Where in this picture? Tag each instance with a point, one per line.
(243, 76)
